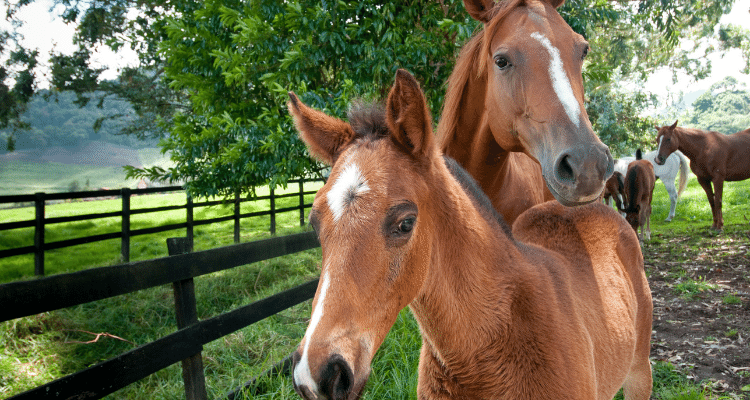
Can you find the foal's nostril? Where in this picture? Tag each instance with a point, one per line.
(336, 379)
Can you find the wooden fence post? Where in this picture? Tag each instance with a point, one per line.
(125, 242)
(39, 235)
(185, 309)
(301, 203)
(189, 219)
(273, 213)
(237, 217)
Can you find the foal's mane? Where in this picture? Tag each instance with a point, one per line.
(469, 65)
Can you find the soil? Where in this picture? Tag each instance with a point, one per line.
(701, 291)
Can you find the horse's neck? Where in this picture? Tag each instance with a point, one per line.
(692, 141)
(467, 297)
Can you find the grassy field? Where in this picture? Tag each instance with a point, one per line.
(40, 348)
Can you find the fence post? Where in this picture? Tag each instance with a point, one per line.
(273, 213)
(39, 235)
(301, 203)
(125, 243)
(189, 219)
(185, 309)
(237, 217)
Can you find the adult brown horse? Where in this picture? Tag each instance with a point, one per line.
(639, 192)
(559, 308)
(515, 97)
(714, 158)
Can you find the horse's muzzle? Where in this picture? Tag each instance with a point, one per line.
(579, 173)
(335, 382)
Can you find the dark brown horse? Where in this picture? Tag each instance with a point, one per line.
(559, 308)
(714, 158)
(514, 115)
(614, 189)
(639, 191)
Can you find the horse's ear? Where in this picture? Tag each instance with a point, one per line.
(326, 136)
(407, 115)
(479, 9)
(673, 126)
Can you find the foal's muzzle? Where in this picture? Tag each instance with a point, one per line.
(335, 381)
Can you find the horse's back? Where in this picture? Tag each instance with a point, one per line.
(605, 266)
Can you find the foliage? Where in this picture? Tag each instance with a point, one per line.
(724, 108)
(213, 76)
(54, 119)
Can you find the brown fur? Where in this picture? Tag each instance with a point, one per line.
(639, 190)
(714, 159)
(508, 128)
(614, 189)
(563, 311)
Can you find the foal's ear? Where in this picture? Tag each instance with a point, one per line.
(673, 125)
(326, 136)
(479, 9)
(407, 115)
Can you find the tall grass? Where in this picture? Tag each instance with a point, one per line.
(40, 348)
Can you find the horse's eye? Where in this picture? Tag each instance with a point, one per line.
(502, 62)
(406, 225)
(585, 52)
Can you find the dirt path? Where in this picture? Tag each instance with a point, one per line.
(701, 291)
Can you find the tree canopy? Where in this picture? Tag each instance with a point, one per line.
(214, 75)
(724, 107)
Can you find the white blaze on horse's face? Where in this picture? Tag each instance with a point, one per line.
(302, 373)
(348, 186)
(560, 81)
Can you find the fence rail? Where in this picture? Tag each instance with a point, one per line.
(65, 290)
(40, 221)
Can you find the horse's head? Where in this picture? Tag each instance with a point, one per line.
(371, 223)
(667, 143)
(535, 95)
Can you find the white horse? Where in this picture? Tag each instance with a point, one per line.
(676, 163)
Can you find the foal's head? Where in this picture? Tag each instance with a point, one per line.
(533, 62)
(667, 141)
(371, 221)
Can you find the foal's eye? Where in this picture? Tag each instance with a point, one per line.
(585, 52)
(406, 225)
(502, 62)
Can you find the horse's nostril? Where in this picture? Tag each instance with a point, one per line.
(336, 379)
(564, 170)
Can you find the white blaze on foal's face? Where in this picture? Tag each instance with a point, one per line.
(349, 184)
(560, 81)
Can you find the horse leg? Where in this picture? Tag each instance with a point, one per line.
(672, 198)
(718, 215)
(706, 185)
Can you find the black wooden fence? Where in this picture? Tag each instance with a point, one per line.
(19, 299)
(40, 221)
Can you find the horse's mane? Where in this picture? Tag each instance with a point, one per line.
(469, 65)
(477, 195)
(368, 119)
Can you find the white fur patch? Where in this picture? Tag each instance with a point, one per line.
(560, 81)
(658, 148)
(349, 184)
(302, 374)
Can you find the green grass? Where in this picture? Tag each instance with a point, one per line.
(143, 247)
(37, 349)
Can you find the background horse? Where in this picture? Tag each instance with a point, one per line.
(714, 158)
(676, 164)
(639, 190)
(614, 189)
(514, 115)
(565, 315)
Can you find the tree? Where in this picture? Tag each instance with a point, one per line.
(724, 108)
(213, 76)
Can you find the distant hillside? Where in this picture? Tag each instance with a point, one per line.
(62, 169)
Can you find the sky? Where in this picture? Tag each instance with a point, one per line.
(45, 31)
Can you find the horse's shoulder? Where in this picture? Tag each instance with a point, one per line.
(552, 222)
